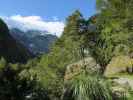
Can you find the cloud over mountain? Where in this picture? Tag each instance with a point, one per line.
(34, 23)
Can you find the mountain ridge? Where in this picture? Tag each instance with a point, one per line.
(12, 50)
(36, 41)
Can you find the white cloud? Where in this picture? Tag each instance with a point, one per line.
(35, 22)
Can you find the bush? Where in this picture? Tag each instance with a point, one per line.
(87, 87)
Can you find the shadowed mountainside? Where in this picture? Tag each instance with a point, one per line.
(37, 42)
(10, 49)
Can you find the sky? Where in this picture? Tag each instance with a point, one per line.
(45, 14)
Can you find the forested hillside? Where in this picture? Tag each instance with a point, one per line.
(92, 60)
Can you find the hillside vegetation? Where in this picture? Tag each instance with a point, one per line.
(92, 60)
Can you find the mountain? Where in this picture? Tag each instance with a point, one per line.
(36, 41)
(11, 49)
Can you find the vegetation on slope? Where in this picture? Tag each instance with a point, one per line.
(104, 36)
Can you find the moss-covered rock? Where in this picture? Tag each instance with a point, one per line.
(119, 64)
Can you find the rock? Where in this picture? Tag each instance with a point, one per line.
(122, 88)
(118, 64)
(125, 82)
(119, 92)
(88, 64)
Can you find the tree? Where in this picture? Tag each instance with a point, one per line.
(17, 84)
(66, 50)
(75, 30)
(112, 29)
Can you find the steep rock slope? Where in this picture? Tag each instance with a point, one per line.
(10, 49)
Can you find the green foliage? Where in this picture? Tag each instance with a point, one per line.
(14, 85)
(121, 50)
(2, 63)
(113, 30)
(50, 69)
(3, 30)
(75, 31)
(104, 36)
(88, 87)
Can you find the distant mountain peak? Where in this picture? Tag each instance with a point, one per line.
(36, 41)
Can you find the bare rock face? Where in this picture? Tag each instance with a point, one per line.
(120, 64)
(88, 64)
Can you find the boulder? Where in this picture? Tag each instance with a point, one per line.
(119, 64)
(122, 87)
(88, 64)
